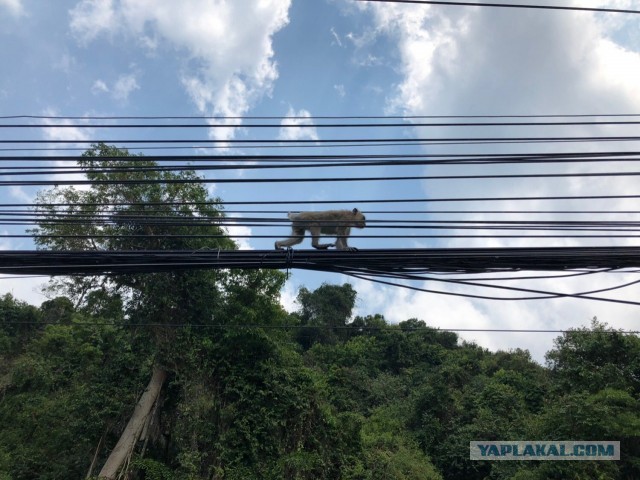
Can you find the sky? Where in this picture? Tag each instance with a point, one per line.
(312, 58)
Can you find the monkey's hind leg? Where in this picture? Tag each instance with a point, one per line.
(297, 235)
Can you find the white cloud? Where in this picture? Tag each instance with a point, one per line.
(482, 61)
(14, 7)
(125, 84)
(341, 90)
(306, 131)
(336, 38)
(238, 234)
(28, 290)
(58, 131)
(227, 44)
(18, 193)
(462, 61)
(99, 86)
(444, 311)
(90, 18)
(288, 296)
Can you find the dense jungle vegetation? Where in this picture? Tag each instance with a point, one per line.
(230, 395)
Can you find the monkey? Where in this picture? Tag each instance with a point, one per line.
(330, 222)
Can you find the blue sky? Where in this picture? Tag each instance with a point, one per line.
(310, 58)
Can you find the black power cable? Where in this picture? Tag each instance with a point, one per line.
(304, 142)
(371, 265)
(314, 117)
(146, 181)
(508, 5)
(320, 125)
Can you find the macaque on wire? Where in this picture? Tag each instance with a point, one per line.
(337, 223)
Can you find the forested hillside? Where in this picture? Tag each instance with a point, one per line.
(336, 398)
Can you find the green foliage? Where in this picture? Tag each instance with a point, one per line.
(153, 470)
(116, 217)
(596, 358)
(390, 451)
(324, 313)
(18, 323)
(72, 384)
(596, 381)
(328, 305)
(250, 409)
(377, 401)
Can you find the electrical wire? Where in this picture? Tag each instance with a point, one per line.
(392, 267)
(405, 261)
(221, 204)
(147, 181)
(157, 162)
(373, 265)
(363, 328)
(508, 5)
(318, 125)
(152, 212)
(544, 295)
(46, 220)
(304, 142)
(314, 117)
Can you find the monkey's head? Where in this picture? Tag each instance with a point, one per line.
(358, 219)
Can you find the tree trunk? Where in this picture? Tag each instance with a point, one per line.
(136, 423)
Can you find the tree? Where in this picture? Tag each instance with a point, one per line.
(65, 393)
(18, 322)
(325, 312)
(595, 376)
(389, 450)
(118, 213)
(596, 358)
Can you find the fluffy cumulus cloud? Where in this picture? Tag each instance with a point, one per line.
(487, 322)
(64, 129)
(125, 84)
(14, 7)
(229, 52)
(487, 61)
(90, 18)
(240, 235)
(299, 126)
